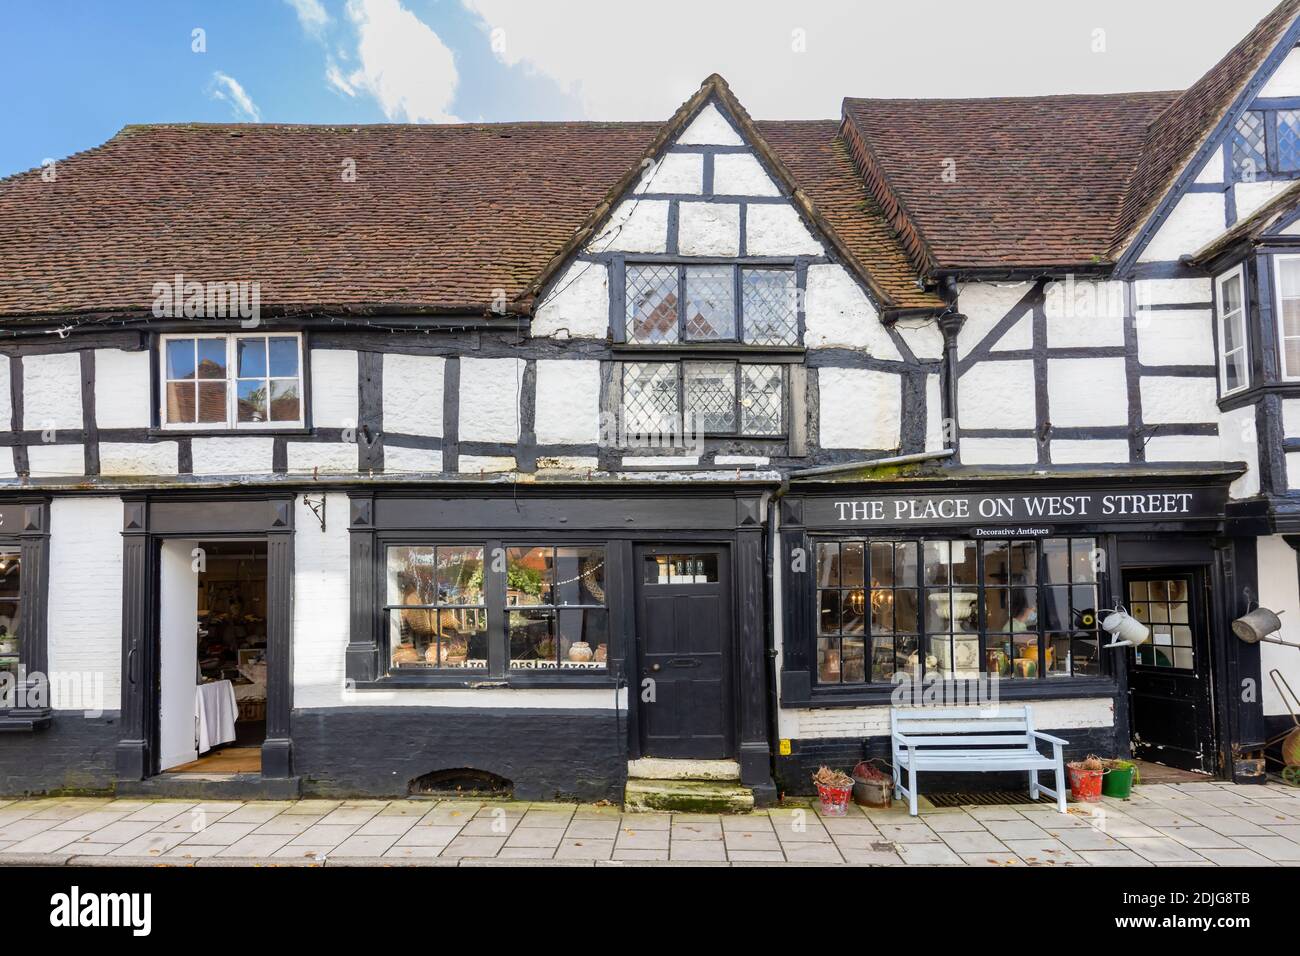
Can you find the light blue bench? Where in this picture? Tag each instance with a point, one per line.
(972, 740)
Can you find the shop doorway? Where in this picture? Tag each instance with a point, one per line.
(1171, 690)
(212, 656)
(684, 652)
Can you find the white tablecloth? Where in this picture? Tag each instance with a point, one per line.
(215, 711)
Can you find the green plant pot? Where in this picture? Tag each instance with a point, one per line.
(1118, 783)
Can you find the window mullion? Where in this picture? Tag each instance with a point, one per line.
(232, 382)
(738, 310)
(494, 584)
(737, 428)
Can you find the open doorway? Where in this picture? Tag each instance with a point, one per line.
(212, 693)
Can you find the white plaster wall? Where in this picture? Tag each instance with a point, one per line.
(1082, 392)
(321, 623)
(1083, 314)
(1072, 452)
(122, 394)
(1212, 169)
(1239, 440)
(985, 304)
(934, 422)
(476, 464)
(413, 394)
(1285, 80)
(85, 597)
(710, 128)
(1291, 417)
(577, 306)
(860, 408)
(1097, 331)
(137, 458)
(1017, 338)
(998, 451)
(6, 403)
(334, 388)
(335, 457)
(1175, 337)
(568, 402)
(775, 229)
(922, 336)
(997, 395)
(838, 314)
(56, 461)
(1293, 471)
(1278, 592)
(815, 723)
(411, 460)
(1251, 196)
(231, 456)
(1172, 292)
(1195, 221)
(636, 225)
(708, 229)
(52, 391)
(674, 173)
(1183, 448)
(489, 399)
(1170, 399)
(741, 174)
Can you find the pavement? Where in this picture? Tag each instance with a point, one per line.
(1204, 823)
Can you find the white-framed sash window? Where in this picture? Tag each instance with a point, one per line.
(1230, 314)
(219, 381)
(1287, 315)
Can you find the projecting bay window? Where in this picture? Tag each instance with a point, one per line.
(722, 399)
(1287, 315)
(677, 304)
(241, 381)
(1230, 317)
(1017, 609)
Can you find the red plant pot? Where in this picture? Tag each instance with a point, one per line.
(1085, 785)
(834, 800)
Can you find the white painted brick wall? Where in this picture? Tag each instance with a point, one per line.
(489, 399)
(334, 388)
(52, 391)
(1172, 291)
(122, 394)
(860, 408)
(85, 596)
(477, 464)
(568, 402)
(413, 394)
(821, 723)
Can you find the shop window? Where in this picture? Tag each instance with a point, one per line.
(231, 381)
(719, 399)
(1014, 609)
(1288, 314)
(682, 304)
(436, 613)
(1165, 607)
(557, 618)
(1230, 311)
(10, 590)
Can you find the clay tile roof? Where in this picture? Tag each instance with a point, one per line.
(1035, 181)
(439, 218)
(1175, 135)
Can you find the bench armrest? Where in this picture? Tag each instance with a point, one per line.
(1049, 738)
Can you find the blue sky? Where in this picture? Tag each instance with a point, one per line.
(76, 71)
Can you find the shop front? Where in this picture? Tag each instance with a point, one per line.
(536, 640)
(981, 588)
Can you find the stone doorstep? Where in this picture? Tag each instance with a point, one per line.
(661, 768)
(686, 796)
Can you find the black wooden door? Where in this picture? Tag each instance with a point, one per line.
(684, 643)
(1170, 686)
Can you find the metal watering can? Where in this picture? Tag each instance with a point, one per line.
(1127, 630)
(1258, 625)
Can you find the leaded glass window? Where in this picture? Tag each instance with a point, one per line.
(1249, 153)
(667, 304)
(711, 396)
(652, 304)
(710, 303)
(771, 306)
(1288, 140)
(650, 399)
(718, 398)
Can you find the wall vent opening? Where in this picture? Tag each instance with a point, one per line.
(461, 781)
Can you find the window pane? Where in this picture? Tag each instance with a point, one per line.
(10, 645)
(710, 303)
(284, 400)
(853, 668)
(770, 310)
(1288, 140)
(997, 609)
(1056, 606)
(964, 567)
(938, 611)
(710, 390)
(650, 398)
(882, 563)
(681, 569)
(1024, 562)
(906, 611)
(1230, 294)
(762, 399)
(284, 356)
(1288, 272)
(936, 562)
(828, 564)
(252, 400)
(532, 639)
(1234, 371)
(252, 357)
(828, 620)
(1056, 560)
(965, 611)
(997, 562)
(180, 402)
(583, 638)
(905, 563)
(411, 576)
(580, 576)
(651, 304)
(530, 576)
(1084, 558)
(211, 358)
(851, 568)
(10, 574)
(180, 358)
(828, 660)
(459, 575)
(1248, 151)
(413, 635)
(212, 401)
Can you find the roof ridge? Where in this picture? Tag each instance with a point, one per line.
(1010, 99)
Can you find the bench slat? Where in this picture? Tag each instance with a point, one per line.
(983, 726)
(960, 739)
(958, 713)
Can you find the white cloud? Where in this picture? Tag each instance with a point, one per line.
(312, 17)
(404, 64)
(227, 89)
(335, 78)
(628, 61)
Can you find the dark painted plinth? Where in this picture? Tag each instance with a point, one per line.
(74, 754)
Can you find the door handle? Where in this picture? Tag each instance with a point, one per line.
(130, 665)
(654, 667)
